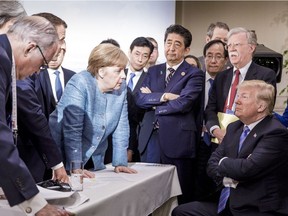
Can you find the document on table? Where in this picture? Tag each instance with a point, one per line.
(67, 200)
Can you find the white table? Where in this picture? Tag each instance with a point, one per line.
(153, 189)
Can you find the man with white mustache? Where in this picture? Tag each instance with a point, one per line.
(241, 46)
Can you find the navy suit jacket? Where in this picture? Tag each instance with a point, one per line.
(221, 87)
(261, 167)
(135, 114)
(16, 180)
(179, 125)
(44, 90)
(35, 143)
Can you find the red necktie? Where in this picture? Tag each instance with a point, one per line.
(232, 92)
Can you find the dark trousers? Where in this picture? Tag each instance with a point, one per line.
(152, 151)
(204, 184)
(186, 174)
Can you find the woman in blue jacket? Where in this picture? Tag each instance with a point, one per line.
(92, 107)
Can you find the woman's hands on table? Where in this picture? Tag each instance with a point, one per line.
(124, 169)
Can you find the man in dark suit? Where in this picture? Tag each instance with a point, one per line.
(241, 47)
(140, 50)
(35, 103)
(20, 57)
(250, 166)
(171, 94)
(45, 83)
(216, 31)
(215, 56)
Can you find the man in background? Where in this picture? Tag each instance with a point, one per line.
(216, 31)
(216, 56)
(154, 55)
(139, 54)
(241, 47)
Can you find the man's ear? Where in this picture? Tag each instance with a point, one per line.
(262, 107)
(29, 48)
(187, 50)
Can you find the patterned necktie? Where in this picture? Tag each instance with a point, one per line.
(233, 91)
(172, 71)
(130, 83)
(225, 193)
(58, 86)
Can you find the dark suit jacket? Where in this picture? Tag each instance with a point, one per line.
(179, 129)
(44, 90)
(261, 167)
(135, 114)
(35, 143)
(221, 86)
(16, 180)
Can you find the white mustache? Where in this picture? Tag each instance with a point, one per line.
(233, 53)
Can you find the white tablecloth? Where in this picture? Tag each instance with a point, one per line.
(153, 189)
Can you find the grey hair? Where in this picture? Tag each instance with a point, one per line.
(10, 10)
(35, 29)
(250, 35)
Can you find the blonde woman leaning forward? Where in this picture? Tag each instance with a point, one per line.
(92, 107)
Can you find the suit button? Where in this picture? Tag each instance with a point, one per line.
(28, 210)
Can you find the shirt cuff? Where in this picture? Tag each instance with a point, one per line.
(33, 205)
(57, 166)
(162, 98)
(213, 128)
(221, 160)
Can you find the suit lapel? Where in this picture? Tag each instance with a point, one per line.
(140, 81)
(178, 75)
(161, 77)
(251, 140)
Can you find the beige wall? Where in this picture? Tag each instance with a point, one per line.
(268, 18)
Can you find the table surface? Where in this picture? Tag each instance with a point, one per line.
(122, 194)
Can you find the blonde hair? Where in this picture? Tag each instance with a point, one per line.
(106, 55)
(264, 92)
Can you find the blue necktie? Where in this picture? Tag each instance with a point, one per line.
(130, 83)
(58, 86)
(225, 193)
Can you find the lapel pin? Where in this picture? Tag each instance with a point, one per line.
(161, 72)
(183, 73)
(255, 135)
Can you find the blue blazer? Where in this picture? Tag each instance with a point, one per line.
(16, 180)
(179, 120)
(85, 117)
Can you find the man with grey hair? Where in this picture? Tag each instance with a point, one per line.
(241, 47)
(9, 12)
(28, 44)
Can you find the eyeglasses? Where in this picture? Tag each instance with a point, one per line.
(211, 57)
(45, 66)
(235, 45)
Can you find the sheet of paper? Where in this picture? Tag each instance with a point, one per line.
(224, 120)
